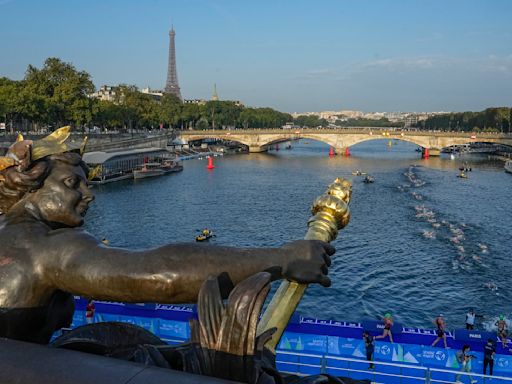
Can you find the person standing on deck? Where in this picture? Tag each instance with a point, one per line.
(369, 346)
(464, 359)
(470, 319)
(489, 352)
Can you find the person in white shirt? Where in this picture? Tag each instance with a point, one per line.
(470, 319)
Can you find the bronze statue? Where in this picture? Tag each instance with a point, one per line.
(45, 257)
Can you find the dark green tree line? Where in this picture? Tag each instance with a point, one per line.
(58, 94)
(491, 120)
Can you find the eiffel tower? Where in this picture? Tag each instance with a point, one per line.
(171, 86)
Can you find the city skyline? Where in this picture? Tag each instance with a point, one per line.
(293, 56)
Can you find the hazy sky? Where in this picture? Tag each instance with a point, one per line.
(292, 55)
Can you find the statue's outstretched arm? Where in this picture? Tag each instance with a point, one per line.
(77, 263)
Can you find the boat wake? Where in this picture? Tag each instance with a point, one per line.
(467, 254)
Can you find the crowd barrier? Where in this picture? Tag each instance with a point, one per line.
(320, 339)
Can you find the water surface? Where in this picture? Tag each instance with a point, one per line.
(420, 242)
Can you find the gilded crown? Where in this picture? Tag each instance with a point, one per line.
(55, 143)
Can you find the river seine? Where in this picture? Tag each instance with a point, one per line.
(420, 241)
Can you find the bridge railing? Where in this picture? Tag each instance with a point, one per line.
(303, 364)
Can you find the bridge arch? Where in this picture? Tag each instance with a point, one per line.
(235, 138)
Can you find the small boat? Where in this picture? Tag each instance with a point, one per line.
(508, 166)
(368, 180)
(156, 169)
(358, 173)
(205, 235)
(465, 168)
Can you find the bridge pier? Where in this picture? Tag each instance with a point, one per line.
(257, 149)
(427, 152)
(343, 151)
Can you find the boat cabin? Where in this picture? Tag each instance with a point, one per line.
(118, 165)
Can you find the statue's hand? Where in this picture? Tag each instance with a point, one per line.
(307, 261)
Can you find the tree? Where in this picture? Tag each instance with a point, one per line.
(170, 110)
(310, 121)
(191, 114)
(58, 93)
(10, 102)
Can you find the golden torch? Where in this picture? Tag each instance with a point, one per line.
(330, 213)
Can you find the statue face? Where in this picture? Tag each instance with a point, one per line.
(64, 198)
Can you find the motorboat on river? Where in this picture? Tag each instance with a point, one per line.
(205, 234)
(368, 179)
(156, 169)
(508, 166)
(358, 173)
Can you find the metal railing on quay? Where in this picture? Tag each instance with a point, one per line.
(383, 372)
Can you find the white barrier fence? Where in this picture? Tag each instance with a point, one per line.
(304, 364)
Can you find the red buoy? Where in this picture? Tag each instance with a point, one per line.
(425, 153)
(210, 163)
(331, 152)
(347, 152)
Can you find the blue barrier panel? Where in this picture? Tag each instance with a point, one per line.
(175, 312)
(287, 357)
(384, 379)
(389, 352)
(78, 319)
(377, 327)
(439, 358)
(141, 306)
(315, 361)
(303, 342)
(502, 365)
(287, 362)
(474, 336)
(98, 317)
(287, 367)
(412, 353)
(420, 374)
(334, 363)
(359, 375)
(147, 323)
(174, 329)
(341, 346)
(326, 327)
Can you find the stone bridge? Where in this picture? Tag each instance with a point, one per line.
(259, 140)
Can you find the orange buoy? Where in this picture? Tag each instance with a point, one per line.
(331, 152)
(210, 163)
